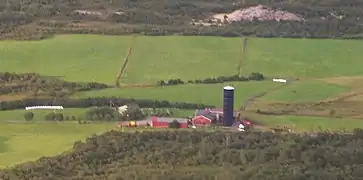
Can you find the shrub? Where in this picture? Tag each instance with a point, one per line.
(175, 124)
(28, 116)
(50, 116)
(54, 116)
(58, 117)
(102, 113)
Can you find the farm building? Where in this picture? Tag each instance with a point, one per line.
(201, 120)
(215, 115)
(163, 122)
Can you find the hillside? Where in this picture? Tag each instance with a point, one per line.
(25, 19)
(201, 155)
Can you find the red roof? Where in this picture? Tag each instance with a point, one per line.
(201, 121)
(165, 124)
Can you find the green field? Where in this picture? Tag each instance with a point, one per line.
(307, 124)
(98, 58)
(24, 142)
(306, 91)
(39, 115)
(212, 93)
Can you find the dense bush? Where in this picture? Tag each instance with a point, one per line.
(160, 112)
(28, 116)
(99, 102)
(202, 155)
(133, 112)
(53, 116)
(215, 80)
(38, 85)
(175, 124)
(102, 113)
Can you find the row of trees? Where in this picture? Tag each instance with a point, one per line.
(98, 102)
(38, 85)
(200, 155)
(52, 116)
(255, 76)
(134, 112)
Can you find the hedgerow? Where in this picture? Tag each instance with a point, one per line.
(97, 102)
(255, 76)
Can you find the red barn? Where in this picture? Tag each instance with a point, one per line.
(161, 122)
(201, 121)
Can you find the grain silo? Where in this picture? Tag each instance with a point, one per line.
(228, 101)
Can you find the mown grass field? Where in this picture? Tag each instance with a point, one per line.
(26, 142)
(213, 93)
(98, 58)
(308, 124)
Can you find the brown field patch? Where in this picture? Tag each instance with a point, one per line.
(12, 97)
(351, 81)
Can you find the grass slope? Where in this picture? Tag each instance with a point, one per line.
(24, 142)
(97, 58)
(213, 93)
(306, 91)
(307, 124)
(18, 114)
(208, 94)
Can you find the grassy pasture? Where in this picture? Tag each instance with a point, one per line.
(18, 114)
(307, 124)
(98, 58)
(25, 142)
(212, 94)
(306, 91)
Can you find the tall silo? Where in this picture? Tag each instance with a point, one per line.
(228, 101)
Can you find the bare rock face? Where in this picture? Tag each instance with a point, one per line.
(260, 12)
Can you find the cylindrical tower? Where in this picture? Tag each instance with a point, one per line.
(228, 101)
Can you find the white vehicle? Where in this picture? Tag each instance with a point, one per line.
(241, 127)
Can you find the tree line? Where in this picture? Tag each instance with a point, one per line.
(133, 112)
(98, 102)
(24, 19)
(42, 86)
(197, 155)
(214, 80)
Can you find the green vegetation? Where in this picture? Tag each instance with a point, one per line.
(308, 123)
(39, 115)
(197, 155)
(204, 93)
(306, 91)
(92, 58)
(24, 142)
(16, 115)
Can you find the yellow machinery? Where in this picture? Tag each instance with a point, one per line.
(132, 124)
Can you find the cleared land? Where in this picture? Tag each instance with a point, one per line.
(98, 58)
(25, 142)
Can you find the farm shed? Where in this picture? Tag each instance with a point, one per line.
(162, 122)
(201, 121)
